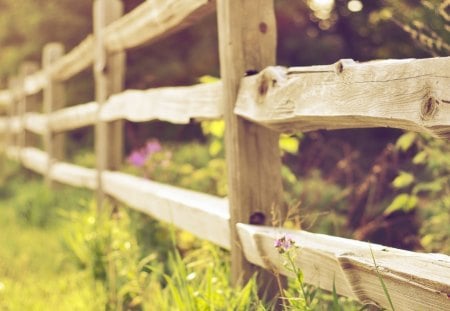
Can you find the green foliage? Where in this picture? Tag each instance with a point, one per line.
(35, 271)
(425, 21)
(303, 297)
(385, 289)
(427, 177)
(200, 281)
(403, 202)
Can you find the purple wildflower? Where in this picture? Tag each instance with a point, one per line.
(152, 146)
(140, 156)
(284, 243)
(137, 158)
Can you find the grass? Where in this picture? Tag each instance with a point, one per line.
(56, 254)
(36, 272)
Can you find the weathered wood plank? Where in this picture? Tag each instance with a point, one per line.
(73, 175)
(35, 82)
(154, 20)
(147, 23)
(177, 105)
(415, 281)
(54, 98)
(203, 215)
(172, 104)
(406, 94)
(32, 158)
(35, 123)
(27, 103)
(247, 41)
(108, 74)
(74, 117)
(77, 60)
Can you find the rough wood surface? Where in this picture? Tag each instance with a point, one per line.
(172, 104)
(177, 105)
(247, 41)
(77, 60)
(203, 215)
(153, 20)
(415, 281)
(27, 103)
(108, 74)
(74, 117)
(54, 99)
(406, 94)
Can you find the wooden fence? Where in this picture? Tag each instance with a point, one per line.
(407, 94)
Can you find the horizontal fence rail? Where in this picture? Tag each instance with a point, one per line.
(177, 105)
(406, 94)
(204, 215)
(415, 281)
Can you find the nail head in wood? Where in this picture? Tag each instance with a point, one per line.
(257, 218)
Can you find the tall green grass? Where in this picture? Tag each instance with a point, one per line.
(57, 253)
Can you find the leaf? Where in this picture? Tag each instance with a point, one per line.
(404, 179)
(215, 128)
(289, 143)
(402, 202)
(208, 79)
(405, 141)
(420, 158)
(215, 147)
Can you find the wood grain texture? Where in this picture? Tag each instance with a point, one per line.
(172, 104)
(406, 94)
(108, 74)
(177, 105)
(153, 20)
(203, 215)
(54, 98)
(149, 22)
(415, 281)
(247, 40)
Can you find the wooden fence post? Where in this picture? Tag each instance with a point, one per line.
(26, 104)
(54, 99)
(109, 79)
(13, 81)
(247, 43)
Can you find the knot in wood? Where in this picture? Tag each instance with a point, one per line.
(429, 108)
(342, 64)
(269, 78)
(263, 27)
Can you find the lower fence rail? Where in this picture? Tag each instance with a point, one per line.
(415, 281)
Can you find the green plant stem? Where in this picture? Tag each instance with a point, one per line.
(298, 277)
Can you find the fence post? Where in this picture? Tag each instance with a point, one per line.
(12, 111)
(26, 104)
(109, 79)
(247, 43)
(54, 99)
